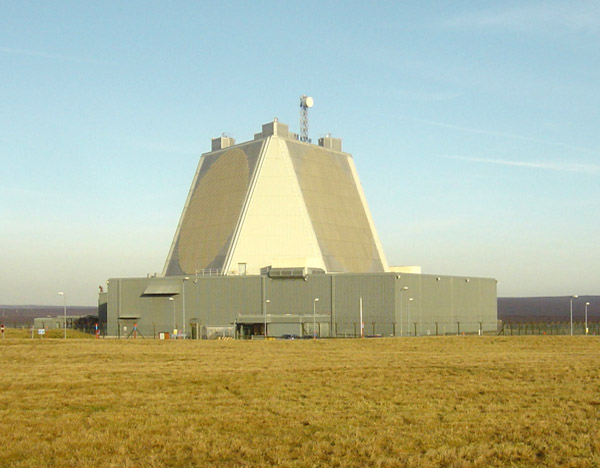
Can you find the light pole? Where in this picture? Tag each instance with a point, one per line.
(268, 301)
(172, 299)
(183, 307)
(586, 327)
(65, 311)
(405, 288)
(315, 318)
(410, 299)
(572, 297)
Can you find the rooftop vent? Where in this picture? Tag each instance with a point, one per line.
(273, 128)
(328, 142)
(222, 142)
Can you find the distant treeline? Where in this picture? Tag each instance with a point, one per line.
(547, 309)
(18, 316)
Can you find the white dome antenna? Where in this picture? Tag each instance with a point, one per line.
(306, 102)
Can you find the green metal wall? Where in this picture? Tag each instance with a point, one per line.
(213, 301)
(378, 304)
(442, 304)
(445, 304)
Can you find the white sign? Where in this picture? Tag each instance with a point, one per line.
(41, 331)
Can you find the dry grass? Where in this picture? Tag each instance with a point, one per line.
(10, 333)
(447, 401)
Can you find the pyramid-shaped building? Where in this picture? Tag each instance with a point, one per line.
(275, 203)
(276, 240)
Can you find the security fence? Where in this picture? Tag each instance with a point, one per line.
(549, 328)
(374, 328)
(384, 328)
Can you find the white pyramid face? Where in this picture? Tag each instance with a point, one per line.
(275, 201)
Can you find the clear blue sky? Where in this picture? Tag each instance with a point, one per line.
(474, 127)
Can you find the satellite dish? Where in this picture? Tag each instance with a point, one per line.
(309, 101)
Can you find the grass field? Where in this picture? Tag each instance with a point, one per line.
(422, 402)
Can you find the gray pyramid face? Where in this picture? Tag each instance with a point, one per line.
(275, 201)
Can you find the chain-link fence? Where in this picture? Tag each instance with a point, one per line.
(549, 328)
(417, 328)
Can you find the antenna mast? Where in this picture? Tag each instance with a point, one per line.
(306, 102)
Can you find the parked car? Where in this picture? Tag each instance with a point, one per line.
(290, 336)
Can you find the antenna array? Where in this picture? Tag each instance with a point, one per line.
(306, 102)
